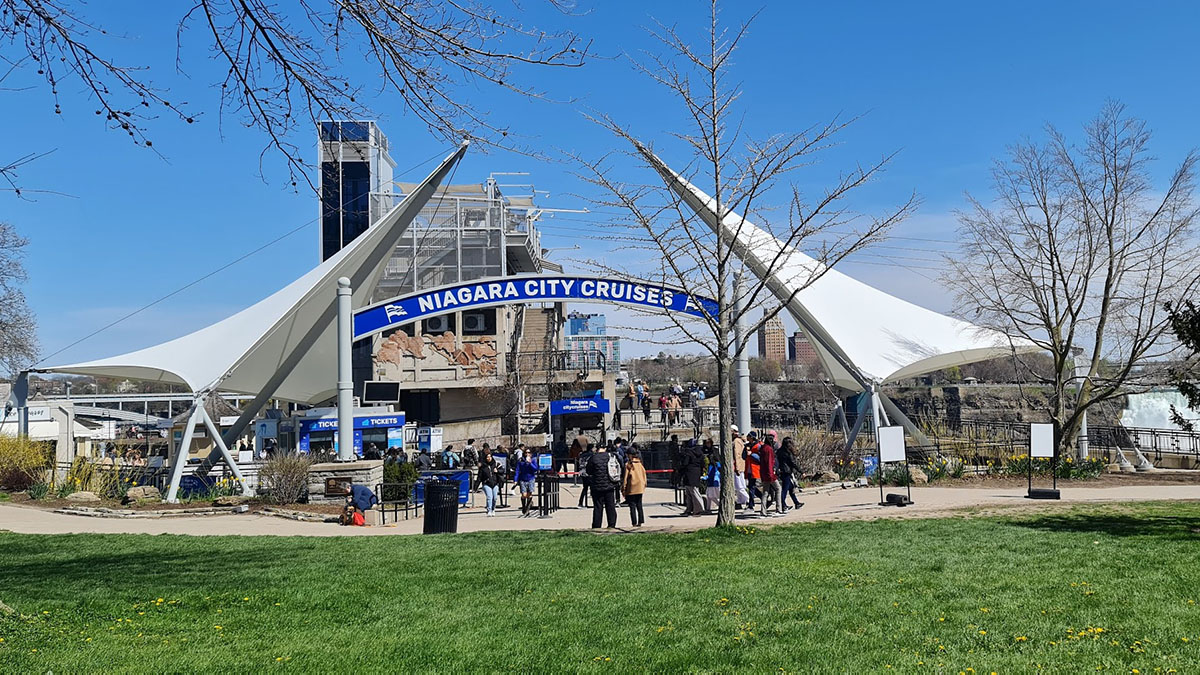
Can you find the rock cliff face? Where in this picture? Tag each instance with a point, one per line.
(949, 403)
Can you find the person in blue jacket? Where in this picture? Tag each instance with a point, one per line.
(525, 475)
(362, 499)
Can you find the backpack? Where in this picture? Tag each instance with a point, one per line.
(614, 468)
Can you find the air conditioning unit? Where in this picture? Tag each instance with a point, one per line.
(474, 323)
(438, 324)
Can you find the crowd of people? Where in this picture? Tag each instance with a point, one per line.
(765, 473)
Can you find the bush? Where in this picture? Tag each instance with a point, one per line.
(39, 490)
(1068, 467)
(397, 473)
(896, 474)
(23, 462)
(941, 467)
(815, 450)
(64, 489)
(284, 477)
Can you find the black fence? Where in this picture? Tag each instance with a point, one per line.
(548, 493)
(397, 498)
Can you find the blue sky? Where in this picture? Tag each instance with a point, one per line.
(948, 85)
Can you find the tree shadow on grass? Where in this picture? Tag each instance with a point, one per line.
(1178, 528)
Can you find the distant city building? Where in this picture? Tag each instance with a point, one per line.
(586, 335)
(801, 352)
(579, 323)
(772, 341)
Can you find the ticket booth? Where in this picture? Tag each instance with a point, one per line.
(319, 434)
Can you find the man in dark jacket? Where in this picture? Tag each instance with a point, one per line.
(604, 473)
(424, 462)
(693, 480)
(768, 475)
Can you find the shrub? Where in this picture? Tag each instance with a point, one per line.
(63, 489)
(284, 477)
(1068, 467)
(23, 462)
(39, 490)
(398, 473)
(848, 469)
(815, 450)
(896, 474)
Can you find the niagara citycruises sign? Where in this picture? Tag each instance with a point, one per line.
(516, 290)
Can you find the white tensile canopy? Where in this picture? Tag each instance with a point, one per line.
(862, 335)
(284, 346)
(286, 342)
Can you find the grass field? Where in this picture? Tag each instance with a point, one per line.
(1108, 588)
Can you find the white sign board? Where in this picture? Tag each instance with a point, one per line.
(891, 444)
(41, 414)
(227, 420)
(1041, 440)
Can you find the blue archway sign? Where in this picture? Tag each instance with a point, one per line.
(495, 291)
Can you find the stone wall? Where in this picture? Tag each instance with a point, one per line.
(363, 472)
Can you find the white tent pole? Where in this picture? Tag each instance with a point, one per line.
(345, 374)
(181, 453)
(220, 442)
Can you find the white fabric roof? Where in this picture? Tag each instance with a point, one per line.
(285, 343)
(853, 326)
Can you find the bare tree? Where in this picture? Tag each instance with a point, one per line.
(18, 333)
(283, 62)
(676, 247)
(1078, 254)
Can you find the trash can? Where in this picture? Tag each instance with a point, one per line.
(441, 506)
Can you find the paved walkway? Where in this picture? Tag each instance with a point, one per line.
(661, 513)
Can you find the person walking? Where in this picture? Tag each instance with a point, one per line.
(739, 465)
(489, 479)
(634, 487)
(750, 457)
(584, 455)
(788, 471)
(525, 475)
(770, 480)
(664, 405)
(605, 472)
(693, 480)
(712, 493)
(674, 408)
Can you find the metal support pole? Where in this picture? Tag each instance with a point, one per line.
(20, 393)
(875, 410)
(181, 453)
(742, 361)
(220, 443)
(345, 374)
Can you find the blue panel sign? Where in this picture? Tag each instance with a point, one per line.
(537, 288)
(365, 422)
(545, 462)
(568, 406)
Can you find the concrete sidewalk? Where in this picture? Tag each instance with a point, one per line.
(661, 514)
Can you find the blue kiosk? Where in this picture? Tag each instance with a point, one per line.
(385, 430)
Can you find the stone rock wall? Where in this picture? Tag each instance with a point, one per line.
(367, 472)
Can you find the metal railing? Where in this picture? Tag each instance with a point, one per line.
(588, 360)
(548, 493)
(397, 498)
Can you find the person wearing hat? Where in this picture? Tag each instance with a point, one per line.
(739, 444)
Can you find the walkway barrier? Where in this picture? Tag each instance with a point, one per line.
(548, 493)
(397, 498)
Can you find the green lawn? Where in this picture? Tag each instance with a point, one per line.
(1111, 588)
